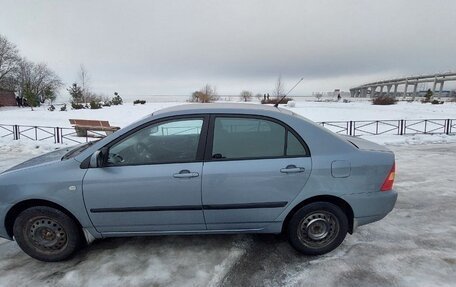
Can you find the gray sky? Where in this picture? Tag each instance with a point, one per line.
(175, 47)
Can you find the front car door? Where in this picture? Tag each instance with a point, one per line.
(255, 166)
(152, 180)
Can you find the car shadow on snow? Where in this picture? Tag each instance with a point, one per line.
(197, 260)
(263, 258)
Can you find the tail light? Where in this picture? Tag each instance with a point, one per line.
(388, 183)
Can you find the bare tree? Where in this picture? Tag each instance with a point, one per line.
(246, 96)
(36, 82)
(84, 80)
(279, 90)
(210, 92)
(207, 94)
(9, 60)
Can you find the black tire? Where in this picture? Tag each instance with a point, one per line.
(317, 228)
(47, 234)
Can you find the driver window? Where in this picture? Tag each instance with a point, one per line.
(165, 142)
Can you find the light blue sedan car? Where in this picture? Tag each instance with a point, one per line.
(200, 169)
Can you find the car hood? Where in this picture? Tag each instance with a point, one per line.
(42, 159)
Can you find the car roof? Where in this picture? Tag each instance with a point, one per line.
(221, 108)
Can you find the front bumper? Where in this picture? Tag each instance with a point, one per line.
(3, 210)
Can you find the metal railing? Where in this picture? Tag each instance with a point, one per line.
(353, 128)
(46, 133)
(394, 127)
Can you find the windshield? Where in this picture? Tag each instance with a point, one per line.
(78, 149)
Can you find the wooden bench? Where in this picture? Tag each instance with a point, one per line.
(82, 126)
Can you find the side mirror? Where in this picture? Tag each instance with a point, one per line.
(99, 158)
(94, 159)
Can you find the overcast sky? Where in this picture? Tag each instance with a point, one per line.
(175, 47)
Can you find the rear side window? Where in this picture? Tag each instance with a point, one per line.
(243, 138)
(294, 146)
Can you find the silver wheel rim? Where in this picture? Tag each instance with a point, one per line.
(47, 234)
(318, 229)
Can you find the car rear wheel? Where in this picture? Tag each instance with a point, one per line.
(317, 228)
(47, 234)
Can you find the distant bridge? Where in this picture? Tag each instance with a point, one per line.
(390, 87)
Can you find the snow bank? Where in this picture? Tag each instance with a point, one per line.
(316, 111)
(116, 115)
(357, 111)
(14, 152)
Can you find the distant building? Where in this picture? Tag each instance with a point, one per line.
(7, 98)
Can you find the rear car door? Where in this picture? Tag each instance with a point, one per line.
(152, 181)
(255, 166)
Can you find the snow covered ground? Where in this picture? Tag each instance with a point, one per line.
(413, 246)
(316, 111)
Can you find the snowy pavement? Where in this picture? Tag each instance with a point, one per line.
(415, 245)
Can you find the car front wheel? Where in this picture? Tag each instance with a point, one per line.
(46, 234)
(317, 228)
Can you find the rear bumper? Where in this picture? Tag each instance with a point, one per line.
(371, 206)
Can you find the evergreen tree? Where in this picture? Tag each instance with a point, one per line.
(77, 96)
(30, 96)
(117, 100)
(49, 94)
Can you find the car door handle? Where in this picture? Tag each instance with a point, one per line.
(185, 174)
(292, 169)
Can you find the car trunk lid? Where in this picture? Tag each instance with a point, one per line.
(365, 144)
